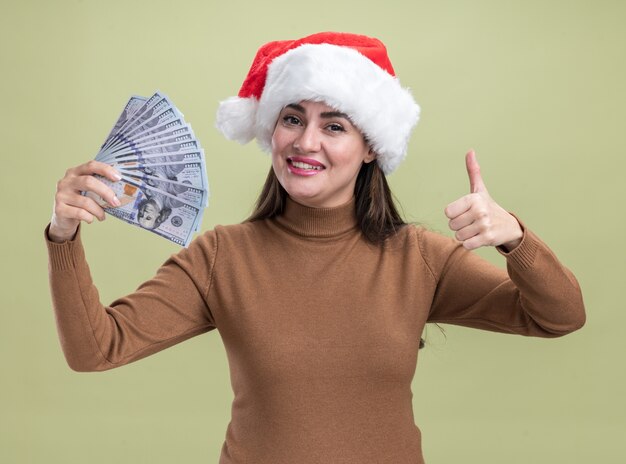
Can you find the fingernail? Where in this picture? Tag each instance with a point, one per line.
(117, 176)
(116, 201)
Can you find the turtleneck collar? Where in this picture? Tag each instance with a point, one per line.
(318, 222)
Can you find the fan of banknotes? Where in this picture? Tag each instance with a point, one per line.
(164, 188)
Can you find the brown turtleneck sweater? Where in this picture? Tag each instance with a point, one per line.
(321, 328)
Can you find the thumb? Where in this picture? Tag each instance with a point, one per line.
(473, 171)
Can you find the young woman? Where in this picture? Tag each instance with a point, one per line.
(321, 296)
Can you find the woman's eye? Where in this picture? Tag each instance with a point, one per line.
(292, 120)
(335, 128)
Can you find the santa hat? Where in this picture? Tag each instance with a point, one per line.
(351, 73)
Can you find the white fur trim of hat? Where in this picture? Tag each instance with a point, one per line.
(337, 75)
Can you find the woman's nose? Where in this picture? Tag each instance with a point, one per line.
(308, 141)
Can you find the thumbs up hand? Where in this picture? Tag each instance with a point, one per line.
(477, 219)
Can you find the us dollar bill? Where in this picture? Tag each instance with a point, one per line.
(169, 149)
(184, 156)
(186, 173)
(120, 129)
(182, 135)
(170, 188)
(163, 129)
(164, 187)
(154, 105)
(168, 115)
(152, 210)
(131, 107)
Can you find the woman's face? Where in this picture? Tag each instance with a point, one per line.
(317, 154)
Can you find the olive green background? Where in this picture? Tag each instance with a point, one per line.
(536, 87)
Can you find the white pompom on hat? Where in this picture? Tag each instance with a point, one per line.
(351, 73)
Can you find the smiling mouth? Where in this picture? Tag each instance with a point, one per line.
(305, 164)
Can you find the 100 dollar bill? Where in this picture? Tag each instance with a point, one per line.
(153, 210)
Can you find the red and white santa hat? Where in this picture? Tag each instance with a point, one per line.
(351, 73)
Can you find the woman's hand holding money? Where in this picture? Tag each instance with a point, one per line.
(71, 206)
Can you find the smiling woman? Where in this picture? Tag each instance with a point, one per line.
(322, 295)
(317, 153)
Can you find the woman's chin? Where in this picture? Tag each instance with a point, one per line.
(306, 198)
(316, 194)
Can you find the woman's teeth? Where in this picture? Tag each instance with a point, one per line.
(301, 165)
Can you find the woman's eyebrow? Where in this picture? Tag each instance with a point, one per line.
(295, 106)
(325, 114)
(334, 114)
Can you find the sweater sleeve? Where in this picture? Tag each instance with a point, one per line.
(535, 296)
(165, 310)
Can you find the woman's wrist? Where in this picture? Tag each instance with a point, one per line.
(517, 234)
(57, 235)
(510, 246)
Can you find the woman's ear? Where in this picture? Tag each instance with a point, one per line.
(371, 156)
